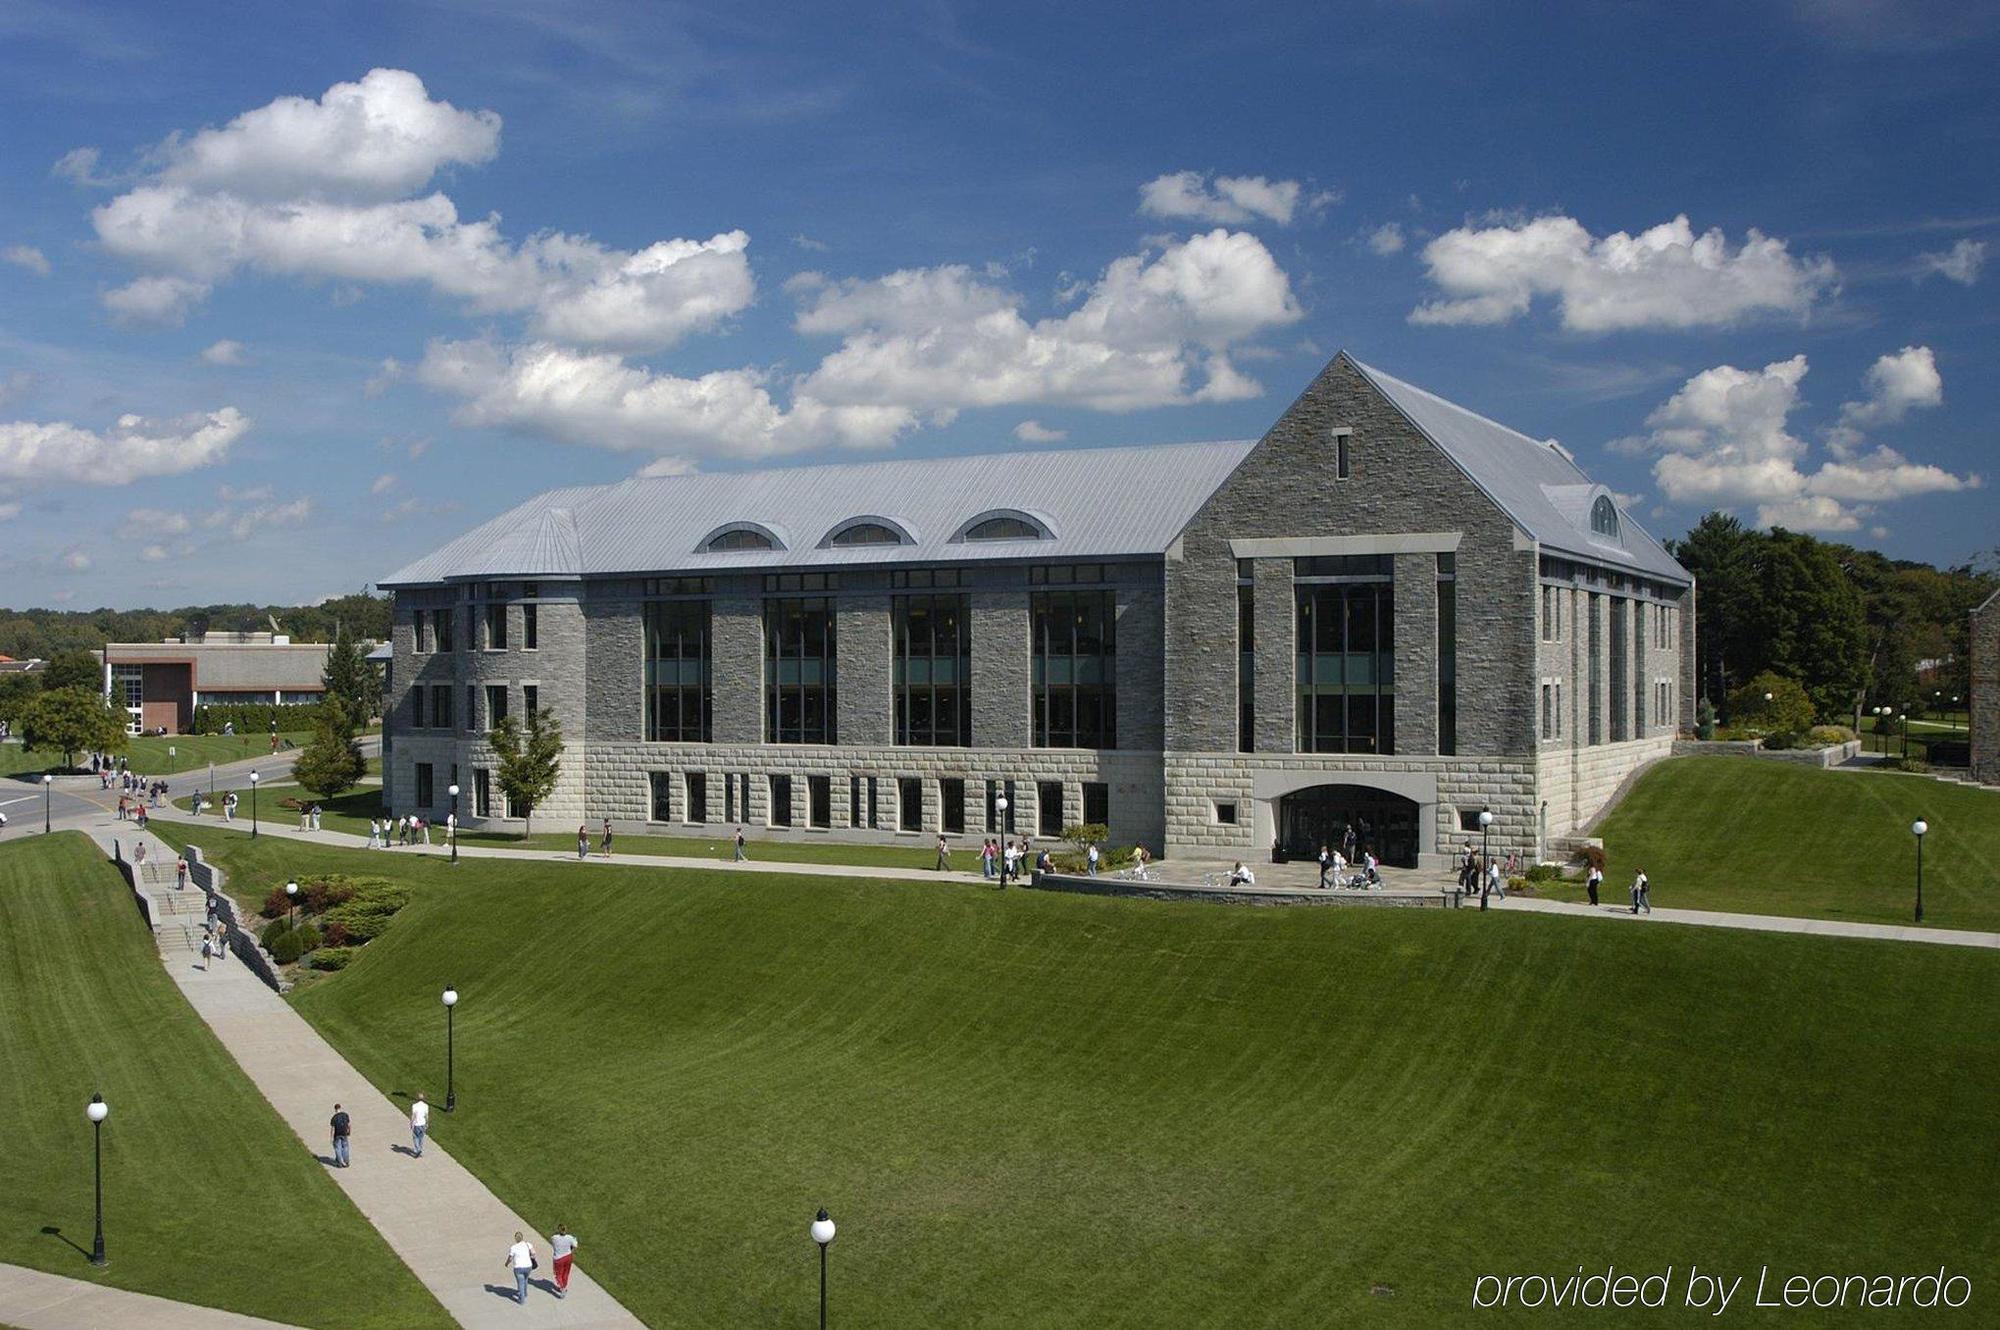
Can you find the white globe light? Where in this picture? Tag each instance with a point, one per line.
(451, 997)
(452, 791)
(291, 888)
(1000, 804)
(822, 1229)
(47, 779)
(1919, 827)
(98, 1110)
(253, 778)
(1485, 818)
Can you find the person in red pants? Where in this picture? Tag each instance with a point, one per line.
(563, 1244)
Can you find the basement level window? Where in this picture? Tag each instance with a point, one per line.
(1225, 813)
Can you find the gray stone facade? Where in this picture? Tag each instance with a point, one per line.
(1985, 700)
(1181, 778)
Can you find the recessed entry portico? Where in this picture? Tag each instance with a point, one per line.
(1394, 812)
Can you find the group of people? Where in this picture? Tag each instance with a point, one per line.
(1641, 889)
(1003, 858)
(228, 806)
(387, 832)
(1335, 863)
(604, 840)
(1478, 873)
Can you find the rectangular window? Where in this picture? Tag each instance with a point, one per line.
(1447, 657)
(1097, 802)
(425, 634)
(482, 792)
(1346, 652)
(1074, 668)
(909, 803)
(416, 708)
(1548, 711)
(904, 579)
(1595, 680)
(1559, 710)
(496, 705)
(874, 804)
(496, 627)
(530, 627)
(1639, 688)
(854, 801)
(1619, 687)
(472, 707)
(679, 700)
(697, 797)
(662, 809)
(992, 806)
(446, 622)
(441, 706)
(729, 796)
(1049, 807)
(933, 655)
(1225, 813)
(799, 686)
(1013, 805)
(819, 801)
(426, 786)
(781, 801)
(1246, 657)
(531, 700)
(1342, 457)
(951, 803)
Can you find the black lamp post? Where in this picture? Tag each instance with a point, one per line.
(1906, 731)
(1485, 856)
(1000, 808)
(1918, 829)
(97, 1111)
(291, 904)
(48, 796)
(450, 1005)
(822, 1233)
(253, 805)
(451, 827)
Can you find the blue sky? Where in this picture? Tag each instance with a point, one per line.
(293, 294)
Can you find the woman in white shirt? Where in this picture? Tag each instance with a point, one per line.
(521, 1259)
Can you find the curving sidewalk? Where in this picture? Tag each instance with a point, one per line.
(35, 1300)
(1761, 923)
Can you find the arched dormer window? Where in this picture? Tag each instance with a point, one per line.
(741, 536)
(1604, 517)
(868, 531)
(1005, 524)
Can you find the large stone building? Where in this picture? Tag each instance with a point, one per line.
(1388, 610)
(1985, 700)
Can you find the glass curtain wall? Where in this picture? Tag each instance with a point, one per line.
(1346, 654)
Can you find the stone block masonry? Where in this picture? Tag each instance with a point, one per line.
(1985, 699)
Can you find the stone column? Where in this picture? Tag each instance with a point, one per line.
(1416, 654)
(1276, 617)
(1000, 703)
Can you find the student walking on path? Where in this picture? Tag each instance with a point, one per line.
(1642, 895)
(582, 841)
(420, 1122)
(521, 1259)
(1090, 859)
(944, 854)
(740, 856)
(562, 1246)
(341, 1126)
(604, 842)
(1592, 881)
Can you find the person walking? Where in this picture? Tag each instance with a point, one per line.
(374, 834)
(521, 1259)
(1140, 858)
(1642, 893)
(341, 1125)
(582, 841)
(207, 949)
(1090, 859)
(423, 828)
(740, 856)
(943, 854)
(986, 858)
(1325, 862)
(562, 1246)
(1494, 882)
(420, 1122)
(180, 874)
(1592, 881)
(315, 817)
(604, 839)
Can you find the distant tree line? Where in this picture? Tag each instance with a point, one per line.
(1851, 626)
(42, 633)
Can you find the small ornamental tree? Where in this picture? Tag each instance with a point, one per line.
(1789, 710)
(65, 720)
(527, 765)
(332, 762)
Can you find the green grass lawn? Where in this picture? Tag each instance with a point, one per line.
(1762, 837)
(209, 1197)
(351, 811)
(150, 755)
(1029, 1109)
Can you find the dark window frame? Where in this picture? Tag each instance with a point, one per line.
(678, 644)
(801, 639)
(931, 635)
(1073, 669)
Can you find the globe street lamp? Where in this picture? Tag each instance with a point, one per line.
(48, 794)
(1918, 829)
(451, 827)
(1485, 856)
(97, 1111)
(450, 1004)
(253, 805)
(999, 804)
(291, 904)
(822, 1233)
(1876, 712)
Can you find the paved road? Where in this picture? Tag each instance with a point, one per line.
(34, 1300)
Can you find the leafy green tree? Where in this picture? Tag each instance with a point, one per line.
(74, 669)
(66, 720)
(1809, 623)
(1788, 707)
(1722, 554)
(16, 691)
(527, 765)
(348, 677)
(332, 762)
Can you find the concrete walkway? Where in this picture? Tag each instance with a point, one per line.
(34, 1300)
(448, 1228)
(1761, 923)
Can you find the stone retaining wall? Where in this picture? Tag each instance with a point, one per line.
(242, 940)
(1832, 756)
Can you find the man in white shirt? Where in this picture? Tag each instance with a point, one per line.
(420, 1122)
(521, 1259)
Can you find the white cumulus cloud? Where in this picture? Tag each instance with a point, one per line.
(1230, 200)
(158, 521)
(1386, 239)
(1962, 263)
(224, 352)
(154, 301)
(1665, 277)
(27, 256)
(1034, 431)
(136, 448)
(383, 483)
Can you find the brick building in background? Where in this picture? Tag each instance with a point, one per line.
(1389, 609)
(161, 683)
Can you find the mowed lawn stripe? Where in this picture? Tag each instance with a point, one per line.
(209, 1197)
(1034, 1109)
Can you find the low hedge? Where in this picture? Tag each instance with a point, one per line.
(332, 958)
(255, 718)
(1544, 872)
(1826, 736)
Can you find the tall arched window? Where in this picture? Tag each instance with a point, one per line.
(1004, 528)
(1604, 517)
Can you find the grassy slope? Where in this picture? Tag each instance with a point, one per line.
(209, 1197)
(1732, 833)
(149, 756)
(1029, 1109)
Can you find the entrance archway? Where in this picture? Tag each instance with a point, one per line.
(1320, 814)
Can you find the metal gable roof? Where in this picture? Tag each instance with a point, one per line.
(1534, 482)
(1098, 502)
